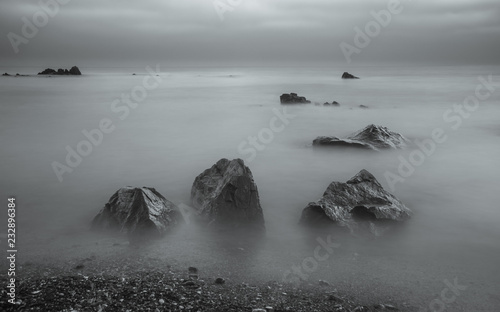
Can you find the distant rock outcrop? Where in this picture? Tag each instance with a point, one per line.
(293, 98)
(371, 137)
(73, 71)
(360, 200)
(227, 196)
(346, 75)
(334, 103)
(140, 212)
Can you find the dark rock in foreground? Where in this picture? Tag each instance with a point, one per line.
(371, 137)
(5, 74)
(293, 98)
(361, 199)
(346, 75)
(138, 211)
(73, 71)
(226, 195)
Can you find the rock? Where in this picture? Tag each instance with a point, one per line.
(363, 106)
(335, 141)
(49, 71)
(371, 137)
(5, 74)
(323, 283)
(75, 71)
(346, 75)
(293, 98)
(385, 307)
(220, 281)
(139, 212)
(380, 137)
(335, 103)
(227, 196)
(192, 270)
(190, 284)
(335, 298)
(361, 199)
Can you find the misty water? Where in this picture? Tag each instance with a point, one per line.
(198, 115)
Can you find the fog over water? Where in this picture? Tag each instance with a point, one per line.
(198, 115)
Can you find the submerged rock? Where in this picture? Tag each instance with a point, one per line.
(360, 200)
(371, 137)
(138, 211)
(334, 103)
(293, 98)
(226, 195)
(335, 141)
(346, 75)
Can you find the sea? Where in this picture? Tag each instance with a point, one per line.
(69, 142)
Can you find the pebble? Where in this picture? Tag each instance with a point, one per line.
(219, 281)
(161, 301)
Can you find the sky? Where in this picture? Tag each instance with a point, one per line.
(117, 32)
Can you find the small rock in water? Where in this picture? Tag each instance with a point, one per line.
(192, 270)
(323, 283)
(346, 75)
(79, 267)
(219, 281)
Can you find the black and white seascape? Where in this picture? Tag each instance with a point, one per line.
(250, 155)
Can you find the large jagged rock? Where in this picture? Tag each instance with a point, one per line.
(346, 75)
(138, 211)
(226, 196)
(293, 98)
(73, 71)
(361, 199)
(371, 137)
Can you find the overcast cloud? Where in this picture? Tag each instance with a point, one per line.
(256, 31)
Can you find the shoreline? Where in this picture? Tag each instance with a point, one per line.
(137, 283)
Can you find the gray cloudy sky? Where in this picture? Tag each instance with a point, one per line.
(255, 31)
